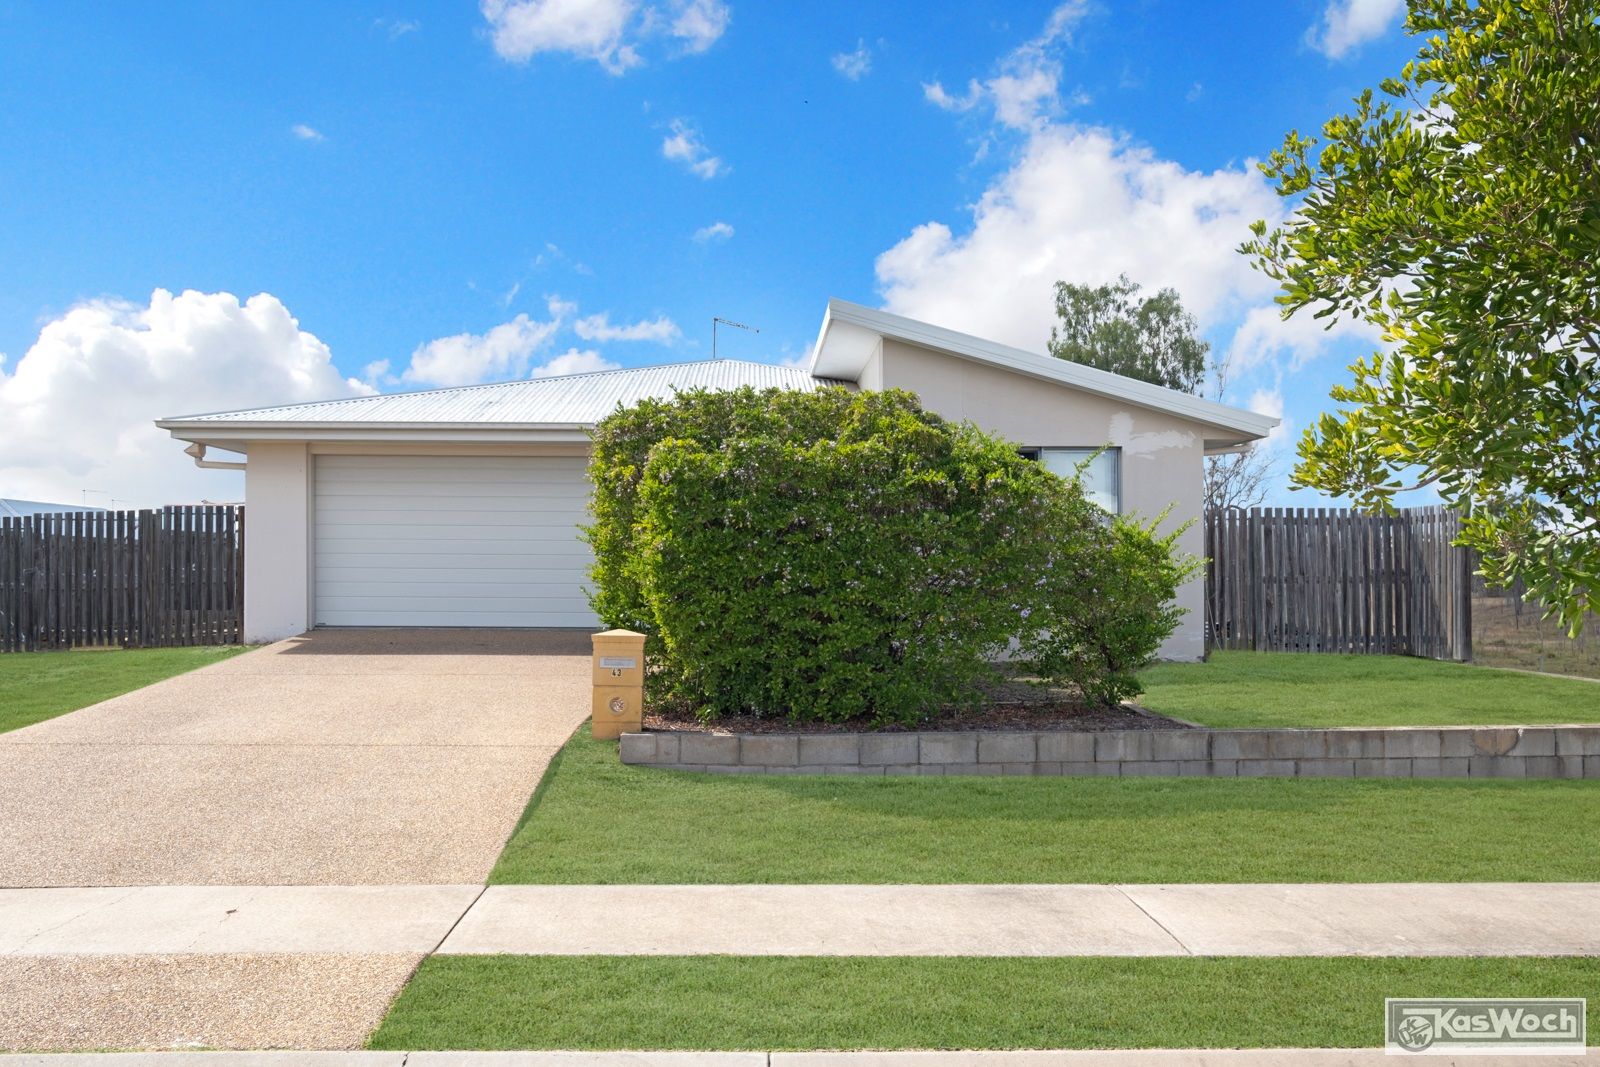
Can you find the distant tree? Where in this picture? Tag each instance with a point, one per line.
(1236, 479)
(1239, 479)
(1153, 340)
(1461, 218)
(1110, 327)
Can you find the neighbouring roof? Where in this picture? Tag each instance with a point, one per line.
(851, 333)
(16, 509)
(568, 400)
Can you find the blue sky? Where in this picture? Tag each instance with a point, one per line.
(451, 192)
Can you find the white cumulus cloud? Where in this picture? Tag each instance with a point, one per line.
(306, 133)
(682, 144)
(588, 29)
(1265, 338)
(1025, 89)
(79, 406)
(698, 24)
(854, 65)
(935, 93)
(1348, 24)
(717, 231)
(1083, 205)
(1270, 402)
(612, 33)
(600, 328)
(505, 351)
(574, 361)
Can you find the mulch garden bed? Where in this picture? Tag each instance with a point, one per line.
(1010, 706)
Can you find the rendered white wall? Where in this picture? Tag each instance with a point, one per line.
(277, 542)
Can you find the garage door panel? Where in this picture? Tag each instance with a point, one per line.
(352, 564)
(469, 526)
(388, 509)
(436, 618)
(400, 461)
(457, 604)
(541, 494)
(430, 546)
(406, 470)
(546, 491)
(454, 512)
(450, 541)
(477, 585)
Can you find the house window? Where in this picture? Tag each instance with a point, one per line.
(1101, 479)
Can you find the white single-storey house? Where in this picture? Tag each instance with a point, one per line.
(461, 507)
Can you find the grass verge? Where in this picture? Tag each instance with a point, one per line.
(597, 821)
(809, 1002)
(35, 686)
(1257, 689)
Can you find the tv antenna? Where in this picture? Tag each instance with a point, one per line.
(725, 322)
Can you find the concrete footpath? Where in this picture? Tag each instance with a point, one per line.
(1443, 919)
(217, 920)
(315, 966)
(1277, 1057)
(1512, 919)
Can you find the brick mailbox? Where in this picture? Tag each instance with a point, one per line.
(618, 683)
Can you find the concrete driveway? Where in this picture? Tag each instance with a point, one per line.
(342, 757)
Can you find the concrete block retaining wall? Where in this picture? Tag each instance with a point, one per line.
(1454, 752)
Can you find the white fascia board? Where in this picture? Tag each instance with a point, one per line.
(844, 349)
(848, 359)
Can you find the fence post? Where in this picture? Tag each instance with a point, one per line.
(1464, 616)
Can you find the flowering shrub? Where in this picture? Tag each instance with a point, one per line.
(836, 555)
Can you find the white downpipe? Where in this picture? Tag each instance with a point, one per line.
(197, 452)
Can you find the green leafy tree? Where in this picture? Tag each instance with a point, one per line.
(1112, 328)
(1153, 340)
(1459, 213)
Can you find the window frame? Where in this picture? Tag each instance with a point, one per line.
(1036, 453)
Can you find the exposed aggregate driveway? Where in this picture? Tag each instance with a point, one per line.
(343, 757)
(340, 758)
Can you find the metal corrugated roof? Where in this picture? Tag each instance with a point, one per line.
(17, 509)
(566, 400)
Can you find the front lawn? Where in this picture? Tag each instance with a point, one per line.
(35, 686)
(863, 1002)
(594, 820)
(1253, 689)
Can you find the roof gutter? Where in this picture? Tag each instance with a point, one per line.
(197, 452)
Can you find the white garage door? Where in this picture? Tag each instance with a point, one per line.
(450, 541)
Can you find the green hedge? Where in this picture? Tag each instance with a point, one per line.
(838, 556)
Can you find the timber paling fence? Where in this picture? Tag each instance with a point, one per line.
(1332, 580)
(135, 579)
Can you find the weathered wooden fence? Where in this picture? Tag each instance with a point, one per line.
(1331, 580)
(139, 579)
